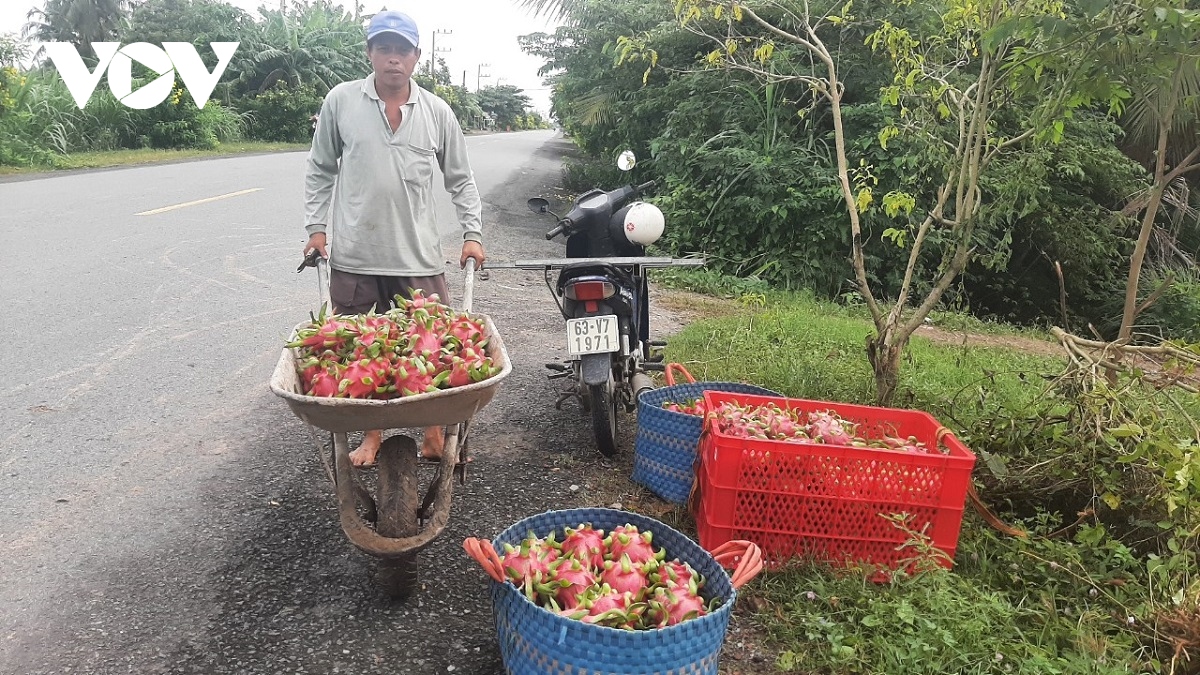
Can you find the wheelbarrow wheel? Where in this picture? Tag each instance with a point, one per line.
(397, 502)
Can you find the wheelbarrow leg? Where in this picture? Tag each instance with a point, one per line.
(341, 439)
(398, 500)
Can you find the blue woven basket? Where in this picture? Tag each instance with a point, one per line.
(665, 449)
(535, 641)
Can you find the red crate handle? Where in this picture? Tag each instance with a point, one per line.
(745, 555)
(671, 376)
(482, 552)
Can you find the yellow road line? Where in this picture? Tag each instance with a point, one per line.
(198, 201)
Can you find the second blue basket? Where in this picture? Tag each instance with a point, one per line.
(665, 449)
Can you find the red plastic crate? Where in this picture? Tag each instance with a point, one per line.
(823, 502)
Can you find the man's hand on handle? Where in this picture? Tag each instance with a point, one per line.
(470, 249)
(317, 241)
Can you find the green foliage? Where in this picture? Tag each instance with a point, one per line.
(1174, 316)
(309, 42)
(1056, 204)
(283, 113)
(507, 105)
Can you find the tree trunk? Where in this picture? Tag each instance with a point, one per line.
(1139, 256)
(885, 361)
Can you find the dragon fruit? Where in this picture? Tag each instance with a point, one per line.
(414, 375)
(670, 606)
(626, 540)
(531, 562)
(360, 380)
(827, 427)
(327, 381)
(583, 579)
(586, 545)
(625, 576)
(569, 581)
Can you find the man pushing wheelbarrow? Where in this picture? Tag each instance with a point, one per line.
(384, 353)
(370, 178)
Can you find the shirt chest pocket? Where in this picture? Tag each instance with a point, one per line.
(417, 163)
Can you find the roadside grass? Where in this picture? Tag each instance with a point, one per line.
(817, 350)
(113, 158)
(1060, 601)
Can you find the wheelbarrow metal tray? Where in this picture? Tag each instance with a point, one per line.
(431, 409)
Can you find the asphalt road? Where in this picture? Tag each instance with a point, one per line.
(160, 510)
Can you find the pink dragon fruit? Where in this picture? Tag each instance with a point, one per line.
(676, 573)
(326, 382)
(464, 329)
(586, 545)
(360, 380)
(625, 540)
(625, 576)
(670, 606)
(609, 607)
(827, 427)
(569, 581)
(530, 563)
(425, 339)
(413, 376)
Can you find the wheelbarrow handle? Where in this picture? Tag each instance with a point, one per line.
(469, 286)
(482, 552)
(745, 557)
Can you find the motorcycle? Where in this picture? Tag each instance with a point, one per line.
(602, 292)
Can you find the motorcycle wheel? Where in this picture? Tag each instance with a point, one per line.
(604, 418)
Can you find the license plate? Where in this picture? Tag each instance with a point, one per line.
(593, 335)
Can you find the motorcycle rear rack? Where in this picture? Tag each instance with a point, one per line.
(559, 263)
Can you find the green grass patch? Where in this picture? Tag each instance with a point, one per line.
(105, 159)
(817, 350)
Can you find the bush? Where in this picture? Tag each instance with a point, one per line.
(283, 113)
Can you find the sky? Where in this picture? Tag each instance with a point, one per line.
(482, 32)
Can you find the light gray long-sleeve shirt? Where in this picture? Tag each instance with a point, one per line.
(378, 200)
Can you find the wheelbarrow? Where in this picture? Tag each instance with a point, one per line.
(396, 521)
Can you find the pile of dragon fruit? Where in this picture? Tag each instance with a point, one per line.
(693, 407)
(770, 422)
(619, 580)
(419, 346)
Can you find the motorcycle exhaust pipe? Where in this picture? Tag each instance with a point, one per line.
(641, 382)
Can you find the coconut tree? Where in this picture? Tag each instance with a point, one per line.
(310, 42)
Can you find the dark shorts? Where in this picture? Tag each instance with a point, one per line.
(359, 293)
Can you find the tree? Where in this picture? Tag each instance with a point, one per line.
(506, 104)
(309, 42)
(1156, 54)
(958, 72)
(199, 22)
(80, 22)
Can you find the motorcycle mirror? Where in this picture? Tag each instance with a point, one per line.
(626, 161)
(538, 205)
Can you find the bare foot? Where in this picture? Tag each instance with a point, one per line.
(435, 439)
(364, 455)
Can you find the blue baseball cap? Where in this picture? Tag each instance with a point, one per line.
(391, 21)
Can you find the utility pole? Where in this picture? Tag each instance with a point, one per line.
(464, 78)
(434, 51)
(479, 74)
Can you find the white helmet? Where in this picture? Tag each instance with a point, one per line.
(644, 223)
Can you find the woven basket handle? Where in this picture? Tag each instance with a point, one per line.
(482, 552)
(671, 375)
(745, 554)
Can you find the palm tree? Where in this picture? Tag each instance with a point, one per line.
(1162, 124)
(310, 43)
